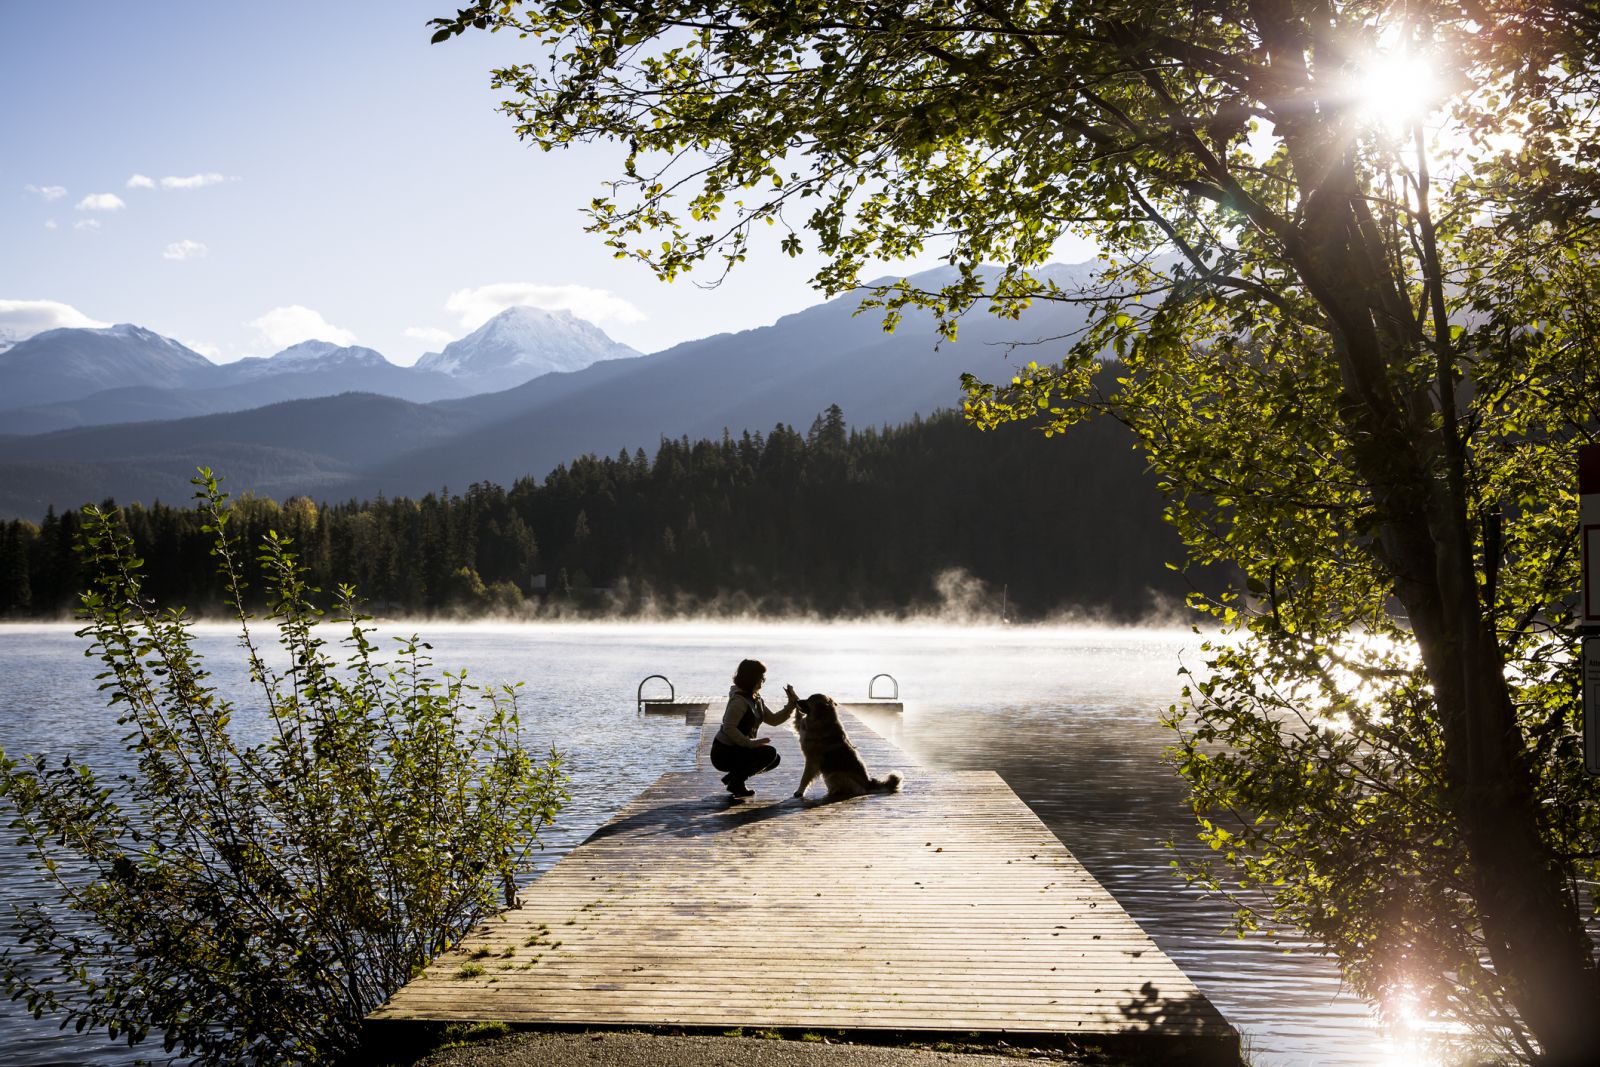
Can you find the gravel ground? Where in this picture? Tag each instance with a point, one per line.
(654, 1050)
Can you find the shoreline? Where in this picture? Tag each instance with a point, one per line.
(674, 1048)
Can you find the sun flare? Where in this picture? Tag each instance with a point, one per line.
(1395, 89)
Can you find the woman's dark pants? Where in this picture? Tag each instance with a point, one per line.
(741, 763)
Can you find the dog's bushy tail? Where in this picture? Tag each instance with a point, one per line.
(890, 783)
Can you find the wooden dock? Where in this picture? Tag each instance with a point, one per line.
(946, 909)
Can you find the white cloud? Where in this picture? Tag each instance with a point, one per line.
(48, 192)
(140, 181)
(49, 224)
(86, 224)
(432, 335)
(185, 249)
(478, 306)
(21, 319)
(290, 325)
(193, 181)
(101, 202)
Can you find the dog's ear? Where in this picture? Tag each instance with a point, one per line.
(822, 705)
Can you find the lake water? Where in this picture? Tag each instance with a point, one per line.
(1068, 717)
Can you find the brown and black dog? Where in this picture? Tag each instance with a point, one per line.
(829, 753)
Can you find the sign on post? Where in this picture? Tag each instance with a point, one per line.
(1589, 612)
(1589, 530)
(1591, 704)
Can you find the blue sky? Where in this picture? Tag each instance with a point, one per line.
(314, 169)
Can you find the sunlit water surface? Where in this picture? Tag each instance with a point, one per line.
(1068, 717)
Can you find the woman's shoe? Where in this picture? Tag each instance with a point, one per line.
(741, 791)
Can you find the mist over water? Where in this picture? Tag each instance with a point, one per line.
(1068, 715)
(952, 597)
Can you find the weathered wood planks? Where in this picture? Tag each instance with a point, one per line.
(948, 907)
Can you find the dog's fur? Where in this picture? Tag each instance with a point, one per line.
(830, 754)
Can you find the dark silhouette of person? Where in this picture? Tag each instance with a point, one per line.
(736, 750)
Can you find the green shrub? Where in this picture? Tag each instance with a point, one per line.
(253, 901)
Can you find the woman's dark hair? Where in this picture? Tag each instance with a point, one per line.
(749, 673)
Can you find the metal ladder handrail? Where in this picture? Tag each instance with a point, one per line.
(873, 696)
(672, 693)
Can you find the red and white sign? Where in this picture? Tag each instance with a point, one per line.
(1589, 530)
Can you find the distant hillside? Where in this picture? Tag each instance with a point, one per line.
(306, 446)
(932, 515)
(750, 380)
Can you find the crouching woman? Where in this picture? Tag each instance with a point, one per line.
(736, 749)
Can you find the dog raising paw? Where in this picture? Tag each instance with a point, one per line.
(830, 754)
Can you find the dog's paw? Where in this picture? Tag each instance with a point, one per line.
(799, 795)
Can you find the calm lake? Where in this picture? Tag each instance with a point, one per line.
(1069, 717)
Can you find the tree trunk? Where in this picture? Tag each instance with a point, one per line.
(1535, 938)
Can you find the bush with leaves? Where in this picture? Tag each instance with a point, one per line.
(251, 902)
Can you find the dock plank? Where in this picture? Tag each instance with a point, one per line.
(947, 907)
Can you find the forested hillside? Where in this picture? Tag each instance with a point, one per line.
(831, 520)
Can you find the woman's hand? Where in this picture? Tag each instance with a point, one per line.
(788, 691)
(763, 741)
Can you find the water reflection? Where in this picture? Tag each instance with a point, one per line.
(1068, 717)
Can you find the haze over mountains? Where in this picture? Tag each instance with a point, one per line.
(528, 390)
(84, 377)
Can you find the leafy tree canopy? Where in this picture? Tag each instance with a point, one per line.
(1355, 313)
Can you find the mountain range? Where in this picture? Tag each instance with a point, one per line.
(65, 378)
(353, 425)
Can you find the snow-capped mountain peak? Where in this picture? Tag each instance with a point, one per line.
(135, 332)
(522, 343)
(72, 361)
(320, 352)
(309, 357)
(304, 352)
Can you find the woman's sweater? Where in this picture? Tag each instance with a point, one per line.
(747, 713)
